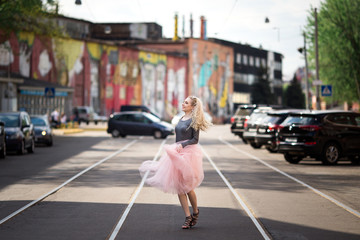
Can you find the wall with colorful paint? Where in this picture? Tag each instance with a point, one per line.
(211, 75)
(103, 76)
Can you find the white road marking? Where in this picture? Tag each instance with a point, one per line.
(333, 200)
(65, 183)
(236, 195)
(133, 198)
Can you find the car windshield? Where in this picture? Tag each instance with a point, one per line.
(152, 118)
(38, 121)
(256, 117)
(243, 111)
(10, 120)
(301, 120)
(271, 119)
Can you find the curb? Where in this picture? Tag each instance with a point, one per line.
(67, 131)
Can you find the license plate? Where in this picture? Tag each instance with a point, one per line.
(252, 130)
(292, 140)
(261, 130)
(239, 124)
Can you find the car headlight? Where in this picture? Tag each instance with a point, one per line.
(16, 135)
(43, 133)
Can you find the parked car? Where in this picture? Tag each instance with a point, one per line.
(266, 133)
(83, 114)
(323, 135)
(19, 132)
(237, 121)
(43, 131)
(250, 125)
(98, 118)
(2, 140)
(177, 117)
(138, 108)
(138, 123)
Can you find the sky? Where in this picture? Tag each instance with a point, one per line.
(240, 21)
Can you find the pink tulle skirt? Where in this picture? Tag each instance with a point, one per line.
(175, 172)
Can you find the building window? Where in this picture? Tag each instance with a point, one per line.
(278, 66)
(251, 61)
(245, 59)
(238, 58)
(263, 62)
(257, 62)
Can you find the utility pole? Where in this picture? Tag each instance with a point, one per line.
(306, 75)
(317, 62)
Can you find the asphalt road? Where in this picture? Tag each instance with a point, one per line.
(87, 186)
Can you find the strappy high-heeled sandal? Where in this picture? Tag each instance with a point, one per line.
(195, 217)
(187, 223)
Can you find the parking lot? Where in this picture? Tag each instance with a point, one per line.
(87, 186)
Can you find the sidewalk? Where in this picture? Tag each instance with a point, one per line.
(81, 128)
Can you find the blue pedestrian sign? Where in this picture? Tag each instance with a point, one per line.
(49, 92)
(326, 90)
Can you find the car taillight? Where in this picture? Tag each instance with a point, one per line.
(310, 128)
(232, 119)
(273, 127)
(245, 123)
(310, 143)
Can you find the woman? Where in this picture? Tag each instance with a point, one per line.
(180, 170)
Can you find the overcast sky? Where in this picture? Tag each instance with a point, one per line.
(241, 21)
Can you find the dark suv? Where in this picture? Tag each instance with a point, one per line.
(266, 133)
(238, 120)
(324, 135)
(251, 124)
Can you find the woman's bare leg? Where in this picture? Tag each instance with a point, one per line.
(193, 200)
(184, 204)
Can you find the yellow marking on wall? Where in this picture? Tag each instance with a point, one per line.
(224, 96)
(70, 50)
(94, 50)
(108, 49)
(153, 58)
(27, 37)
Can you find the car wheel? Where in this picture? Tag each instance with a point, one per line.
(21, 151)
(31, 149)
(255, 145)
(244, 140)
(96, 122)
(3, 151)
(87, 122)
(115, 133)
(330, 154)
(292, 159)
(157, 134)
(272, 149)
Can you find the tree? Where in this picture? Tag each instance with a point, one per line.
(293, 96)
(339, 46)
(260, 90)
(30, 16)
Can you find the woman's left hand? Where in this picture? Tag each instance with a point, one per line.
(179, 147)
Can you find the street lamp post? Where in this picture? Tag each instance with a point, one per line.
(306, 74)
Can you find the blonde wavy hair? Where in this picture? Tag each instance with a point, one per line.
(198, 121)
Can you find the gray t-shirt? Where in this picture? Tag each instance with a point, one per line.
(183, 133)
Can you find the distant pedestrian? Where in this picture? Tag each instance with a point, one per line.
(63, 119)
(55, 117)
(180, 171)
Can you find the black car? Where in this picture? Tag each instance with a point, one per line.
(324, 135)
(241, 115)
(138, 123)
(2, 140)
(266, 133)
(137, 108)
(43, 131)
(251, 124)
(19, 132)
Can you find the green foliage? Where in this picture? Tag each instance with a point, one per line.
(260, 90)
(293, 95)
(29, 16)
(339, 46)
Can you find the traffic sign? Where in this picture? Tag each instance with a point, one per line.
(326, 90)
(49, 92)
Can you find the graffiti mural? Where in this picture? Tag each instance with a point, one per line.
(210, 75)
(153, 72)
